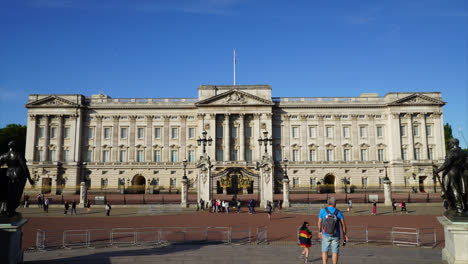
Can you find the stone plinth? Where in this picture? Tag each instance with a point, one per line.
(286, 203)
(456, 240)
(388, 192)
(10, 241)
(184, 194)
(83, 194)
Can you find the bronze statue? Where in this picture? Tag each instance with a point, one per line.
(16, 176)
(454, 177)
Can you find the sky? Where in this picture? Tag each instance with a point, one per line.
(167, 48)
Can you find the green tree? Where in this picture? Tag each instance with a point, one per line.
(447, 134)
(14, 132)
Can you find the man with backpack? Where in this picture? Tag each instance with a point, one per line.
(331, 224)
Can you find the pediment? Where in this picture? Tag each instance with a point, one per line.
(52, 101)
(234, 97)
(417, 99)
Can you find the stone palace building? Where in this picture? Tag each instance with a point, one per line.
(139, 144)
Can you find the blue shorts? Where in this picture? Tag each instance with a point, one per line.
(330, 240)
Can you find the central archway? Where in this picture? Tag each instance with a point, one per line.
(138, 184)
(329, 183)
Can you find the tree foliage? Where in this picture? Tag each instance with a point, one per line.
(14, 132)
(447, 134)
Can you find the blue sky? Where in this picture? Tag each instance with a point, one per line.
(167, 48)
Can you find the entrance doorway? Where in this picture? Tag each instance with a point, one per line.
(46, 185)
(138, 184)
(328, 184)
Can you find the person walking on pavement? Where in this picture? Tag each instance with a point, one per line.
(305, 241)
(238, 203)
(394, 204)
(403, 207)
(374, 207)
(39, 201)
(88, 205)
(108, 209)
(226, 207)
(46, 205)
(73, 209)
(67, 206)
(269, 208)
(350, 207)
(331, 225)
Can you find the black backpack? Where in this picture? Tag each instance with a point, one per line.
(329, 225)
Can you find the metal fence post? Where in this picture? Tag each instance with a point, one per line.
(417, 238)
(367, 235)
(63, 238)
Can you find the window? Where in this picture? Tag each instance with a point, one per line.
(379, 131)
(191, 132)
(191, 155)
(67, 132)
(380, 154)
(219, 132)
(174, 155)
(234, 155)
(295, 155)
(89, 156)
(157, 132)
(363, 154)
(90, 132)
(312, 132)
(105, 156)
(41, 132)
(174, 132)
(416, 130)
(40, 156)
(123, 156)
(141, 132)
(430, 153)
(140, 156)
(295, 132)
(107, 132)
(417, 153)
(277, 132)
(65, 155)
(173, 182)
(329, 132)
(123, 132)
(52, 155)
(219, 155)
(53, 132)
(347, 155)
(295, 182)
(362, 132)
(346, 132)
(429, 130)
(234, 132)
(157, 156)
(404, 154)
(313, 155)
(249, 155)
(278, 155)
(407, 180)
(403, 131)
(248, 132)
(364, 181)
(313, 181)
(329, 154)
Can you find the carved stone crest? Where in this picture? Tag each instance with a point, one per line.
(236, 98)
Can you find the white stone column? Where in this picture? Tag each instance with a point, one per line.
(201, 127)
(422, 117)
(287, 136)
(205, 183)
(355, 137)
(393, 137)
(269, 128)
(83, 194)
(166, 136)
(226, 137)
(410, 137)
(256, 134)
(211, 150)
(31, 138)
(338, 138)
(60, 138)
(439, 153)
(115, 138)
(388, 192)
(183, 136)
(303, 138)
(184, 194)
(286, 203)
(46, 137)
(456, 239)
(149, 138)
(241, 136)
(372, 138)
(98, 138)
(321, 138)
(266, 181)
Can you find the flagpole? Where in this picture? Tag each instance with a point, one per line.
(234, 67)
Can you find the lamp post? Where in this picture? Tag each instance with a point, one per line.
(386, 174)
(285, 162)
(184, 193)
(285, 184)
(184, 162)
(204, 141)
(265, 140)
(387, 186)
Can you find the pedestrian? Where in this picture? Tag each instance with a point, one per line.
(202, 204)
(279, 205)
(394, 206)
(217, 205)
(67, 206)
(269, 208)
(226, 206)
(445, 205)
(108, 209)
(331, 224)
(251, 207)
(238, 205)
(305, 241)
(213, 205)
(403, 207)
(350, 206)
(88, 205)
(46, 205)
(39, 201)
(73, 209)
(374, 207)
(26, 201)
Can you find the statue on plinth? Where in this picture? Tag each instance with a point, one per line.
(13, 178)
(454, 181)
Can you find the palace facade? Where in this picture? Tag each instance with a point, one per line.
(120, 143)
